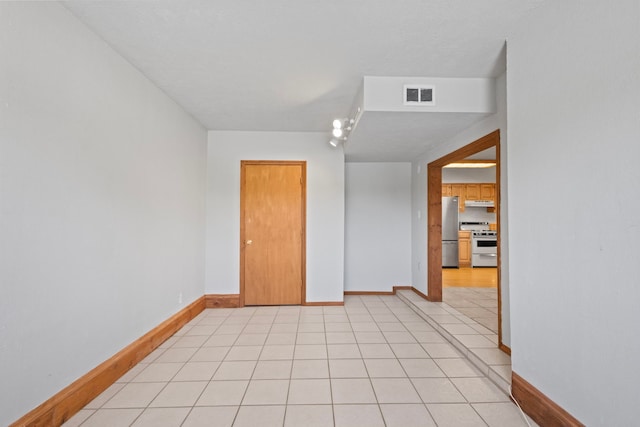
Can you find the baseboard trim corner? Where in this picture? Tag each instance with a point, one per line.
(64, 404)
(506, 349)
(538, 406)
(222, 300)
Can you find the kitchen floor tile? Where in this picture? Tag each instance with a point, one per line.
(407, 415)
(406, 351)
(221, 340)
(179, 394)
(421, 368)
(399, 337)
(272, 370)
(210, 354)
(190, 341)
(135, 395)
(352, 391)
(203, 416)
(263, 416)
(441, 350)
(173, 355)
(277, 352)
(196, 371)
(384, 368)
(456, 415)
(437, 390)
(376, 351)
(112, 417)
(343, 351)
(340, 338)
(395, 390)
(309, 392)
(158, 372)
(458, 368)
(479, 390)
(310, 369)
(357, 416)
(223, 393)
(281, 338)
(245, 352)
(309, 416)
(347, 368)
(310, 351)
(236, 370)
(311, 338)
(161, 417)
(365, 327)
(266, 392)
(374, 337)
(251, 339)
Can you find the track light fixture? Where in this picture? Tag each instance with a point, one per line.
(340, 131)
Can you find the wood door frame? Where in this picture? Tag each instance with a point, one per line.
(303, 241)
(434, 218)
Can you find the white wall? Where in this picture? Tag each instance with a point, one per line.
(377, 226)
(419, 198)
(574, 125)
(451, 95)
(102, 192)
(325, 206)
(478, 175)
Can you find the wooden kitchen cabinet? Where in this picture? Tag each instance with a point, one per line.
(464, 248)
(487, 192)
(472, 192)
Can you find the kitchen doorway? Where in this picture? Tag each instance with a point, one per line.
(272, 232)
(434, 218)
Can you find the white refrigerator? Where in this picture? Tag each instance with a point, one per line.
(450, 232)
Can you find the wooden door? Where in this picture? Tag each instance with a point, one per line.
(272, 229)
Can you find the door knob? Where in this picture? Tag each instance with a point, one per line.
(248, 242)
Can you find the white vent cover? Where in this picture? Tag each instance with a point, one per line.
(423, 95)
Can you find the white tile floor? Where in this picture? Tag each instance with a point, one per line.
(373, 362)
(479, 304)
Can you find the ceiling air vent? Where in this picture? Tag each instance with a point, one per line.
(419, 95)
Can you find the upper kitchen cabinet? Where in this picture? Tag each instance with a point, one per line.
(488, 192)
(470, 191)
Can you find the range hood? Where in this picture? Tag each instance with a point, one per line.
(479, 204)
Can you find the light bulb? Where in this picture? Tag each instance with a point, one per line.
(337, 133)
(337, 124)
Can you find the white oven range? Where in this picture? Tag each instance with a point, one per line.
(484, 248)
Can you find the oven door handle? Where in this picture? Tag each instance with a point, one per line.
(487, 254)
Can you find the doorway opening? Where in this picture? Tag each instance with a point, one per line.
(434, 218)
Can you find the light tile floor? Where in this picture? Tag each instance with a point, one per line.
(479, 304)
(377, 361)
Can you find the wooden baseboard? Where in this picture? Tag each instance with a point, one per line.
(539, 407)
(222, 300)
(369, 292)
(417, 292)
(504, 348)
(324, 303)
(74, 397)
(392, 292)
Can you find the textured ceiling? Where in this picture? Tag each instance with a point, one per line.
(294, 65)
